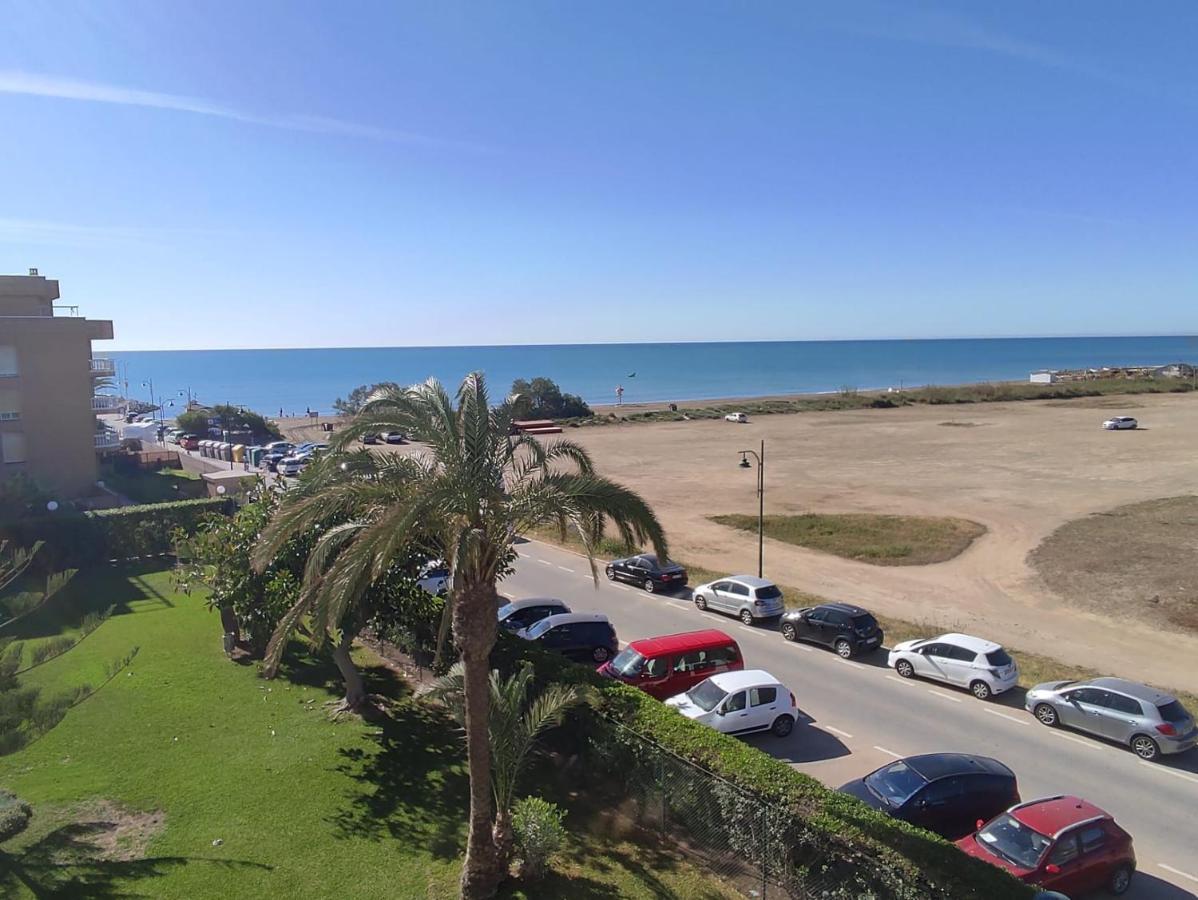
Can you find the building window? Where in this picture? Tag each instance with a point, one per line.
(12, 447)
(8, 360)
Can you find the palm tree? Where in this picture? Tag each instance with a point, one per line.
(515, 724)
(475, 488)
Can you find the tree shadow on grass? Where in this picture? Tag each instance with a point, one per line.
(304, 668)
(412, 786)
(67, 863)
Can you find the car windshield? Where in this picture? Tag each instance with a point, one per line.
(1010, 839)
(998, 657)
(506, 610)
(895, 784)
(706, 695)
(770, 592)
(628, 662)
(540, 628)
(865, 624)
(1173, 711)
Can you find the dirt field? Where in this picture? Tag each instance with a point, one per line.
(1020, 469)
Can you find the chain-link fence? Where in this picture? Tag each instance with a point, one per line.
(743, 838)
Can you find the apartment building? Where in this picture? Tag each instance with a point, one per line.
(47, 384)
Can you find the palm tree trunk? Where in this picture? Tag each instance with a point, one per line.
(355, 690)
(474, 627)
(504, 838)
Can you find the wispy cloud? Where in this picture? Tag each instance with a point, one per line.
(30, 84)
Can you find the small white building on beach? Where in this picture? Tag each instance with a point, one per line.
(1044, 376)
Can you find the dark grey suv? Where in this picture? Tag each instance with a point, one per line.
(1148, 721)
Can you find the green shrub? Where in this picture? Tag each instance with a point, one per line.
(537, 826)
(56, 646)
(15, 814)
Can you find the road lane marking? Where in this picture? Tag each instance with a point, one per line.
(849, 662)
(747, 628)
(905, 681)
(1003, 715)
(944, 696)
(566, 569)
(805, 648)
(710, 616)
(1193, 878)
(1090, 744)
(544, 562)
(888, 752)
(843, 734)
(1165, 771)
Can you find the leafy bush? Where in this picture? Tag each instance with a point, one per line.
(864, 849)
(232, 418)
(537, 826)
(56, 646)
(15, 814)
(541, 398)
(352, 405)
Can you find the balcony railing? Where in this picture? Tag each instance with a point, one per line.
(101, 403)
(101, 366)
(107, 440)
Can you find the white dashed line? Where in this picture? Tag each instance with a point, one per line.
(1193, 878)
(944, 696)
(747, 628)
(888, 752)
(1165, 771)
(544, 562)
(710, 616)
(901, 680)
(805, 648)
(1003, 715)
(566, 569)
(1088, 744)
(849, 662)
(843, 734)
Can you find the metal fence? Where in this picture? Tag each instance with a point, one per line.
(740, 836)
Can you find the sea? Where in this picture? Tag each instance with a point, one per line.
(293, 382)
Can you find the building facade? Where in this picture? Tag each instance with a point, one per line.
(48, 425)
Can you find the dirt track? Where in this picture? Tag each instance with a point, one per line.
(1021, 469)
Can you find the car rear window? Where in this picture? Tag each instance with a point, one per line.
(998, 657)
(1173, 711)
(770, 592)
(865, 623)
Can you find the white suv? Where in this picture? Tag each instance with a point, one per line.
(971, 662)
(740, 703)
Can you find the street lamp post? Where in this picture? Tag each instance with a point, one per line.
(745, 464)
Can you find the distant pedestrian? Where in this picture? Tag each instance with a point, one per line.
(619, 395)
(280, 412)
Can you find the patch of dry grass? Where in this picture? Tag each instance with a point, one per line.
(876, 539)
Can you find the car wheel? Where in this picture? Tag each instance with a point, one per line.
(843, 649)
(904, 668)
(1145, 747)
(980, 689)
(1120, 880)
(611, 573)
(600, 654)
(746, 617)
(700, 603)
(650, 587)
(1047, 714)
(788, 632)
(783, 725)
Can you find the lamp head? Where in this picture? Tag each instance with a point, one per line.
(744, 462)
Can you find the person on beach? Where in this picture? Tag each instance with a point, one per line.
(619, 395)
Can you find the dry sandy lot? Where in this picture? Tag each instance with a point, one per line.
(1021, 470)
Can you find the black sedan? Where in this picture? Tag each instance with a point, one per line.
(645, 571)
(845, 628)
(943, 792)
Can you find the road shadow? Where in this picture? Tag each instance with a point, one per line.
(1181, 762)
(805, 743)
(1149, 887)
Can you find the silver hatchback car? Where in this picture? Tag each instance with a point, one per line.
(1149, 721)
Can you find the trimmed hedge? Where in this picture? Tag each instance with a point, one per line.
(74, 540)
(873, 854)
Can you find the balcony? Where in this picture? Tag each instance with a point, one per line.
(101, 366)
(107, 440)
(104, 403)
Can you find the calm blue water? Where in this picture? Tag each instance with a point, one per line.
(265, 380)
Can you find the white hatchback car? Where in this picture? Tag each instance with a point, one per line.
(740, 703)
(291, 465)
(1119, 423)
(970, 662)
(736, 417)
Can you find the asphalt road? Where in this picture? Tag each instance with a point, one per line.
(860, 715)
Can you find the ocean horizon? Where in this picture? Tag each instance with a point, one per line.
(296, 380)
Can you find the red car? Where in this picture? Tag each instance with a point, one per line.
(674, 663)
(1063, 844)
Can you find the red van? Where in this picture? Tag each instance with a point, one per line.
(674, 663)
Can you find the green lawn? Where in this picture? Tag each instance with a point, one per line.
(881, 540)
(161, 486)
(187, 748)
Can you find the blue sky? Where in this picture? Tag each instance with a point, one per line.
(373, 174)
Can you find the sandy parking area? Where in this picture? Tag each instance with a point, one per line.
(1021, 469)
